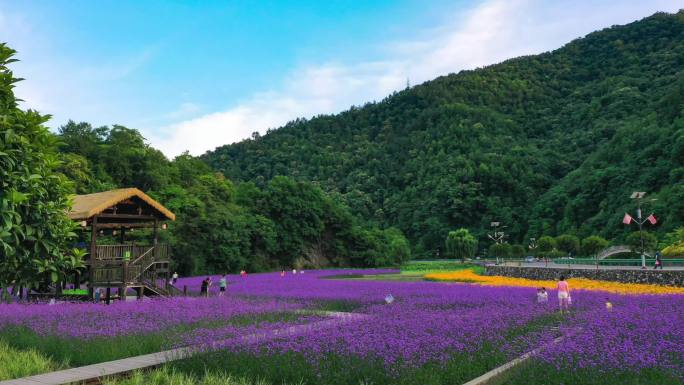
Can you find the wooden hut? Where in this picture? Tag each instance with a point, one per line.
(142, 267)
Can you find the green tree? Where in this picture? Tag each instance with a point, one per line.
(593, 244)
(568, 244)
(461, 244)
(399, 248)
(500, 250)
(545, 245)
(673, 243)
(517, 251)
(34, 228)
(634, 241)
(674, 237)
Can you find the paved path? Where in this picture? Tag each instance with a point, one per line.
(496, 373)
(92, 373)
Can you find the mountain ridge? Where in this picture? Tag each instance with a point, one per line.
(528, 142)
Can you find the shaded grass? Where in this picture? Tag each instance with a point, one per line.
(16, 363)
(535, 372)
(70, 351)
(334, 369)
(77, 352)
(337, 305)
(169, 376)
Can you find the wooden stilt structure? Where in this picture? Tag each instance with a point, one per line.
(144, 268)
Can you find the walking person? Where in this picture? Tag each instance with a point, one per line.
(658, 262)
(204, 289)
(174, 277)
(563, 294)
(222, 285)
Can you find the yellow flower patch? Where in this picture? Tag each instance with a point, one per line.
(575, 283)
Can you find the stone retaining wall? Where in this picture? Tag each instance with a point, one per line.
(659, 277)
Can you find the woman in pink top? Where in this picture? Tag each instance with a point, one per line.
(563, 293)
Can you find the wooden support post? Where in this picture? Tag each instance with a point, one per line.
(93, 253)
(122, 236)
(155, 252)
(122, 293)
(108, 298)
(185, 290)
(140, 291)
(77, 280)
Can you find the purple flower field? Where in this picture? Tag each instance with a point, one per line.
(428, 323)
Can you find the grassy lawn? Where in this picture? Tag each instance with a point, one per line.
(17, 363)
(539, 373)
(415, 270)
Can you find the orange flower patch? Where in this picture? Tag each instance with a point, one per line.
(575, 283)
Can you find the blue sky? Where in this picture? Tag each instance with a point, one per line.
(192, 75)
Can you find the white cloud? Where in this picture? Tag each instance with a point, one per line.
(93, 88)
(489, 33)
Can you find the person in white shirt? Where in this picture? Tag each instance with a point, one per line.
(542, 295)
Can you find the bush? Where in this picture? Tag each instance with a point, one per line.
(567, 243)
(500, 250)
(592, 245)
(517, 251)
(545, 245)
(634, 241)
(555, 254)
(674, 251)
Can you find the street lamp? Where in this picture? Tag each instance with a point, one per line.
(497, 236)
(639, 195)
(533, 246)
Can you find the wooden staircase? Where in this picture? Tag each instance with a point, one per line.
(149, 273)
(145, 269)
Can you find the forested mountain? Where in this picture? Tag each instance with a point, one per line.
(546, 144)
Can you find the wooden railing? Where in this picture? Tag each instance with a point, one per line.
(109, 264)
(109, 252)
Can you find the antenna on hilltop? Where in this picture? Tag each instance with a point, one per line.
(408, 83)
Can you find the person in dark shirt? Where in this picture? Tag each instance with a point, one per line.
(204, 290)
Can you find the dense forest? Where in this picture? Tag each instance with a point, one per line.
(222, 226)
(546, 144)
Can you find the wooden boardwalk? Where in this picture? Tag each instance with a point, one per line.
(93, 373)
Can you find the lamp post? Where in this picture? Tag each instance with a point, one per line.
(496, 235)
(639, 195)
(533, 246)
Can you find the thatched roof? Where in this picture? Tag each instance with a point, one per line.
(85, 206)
